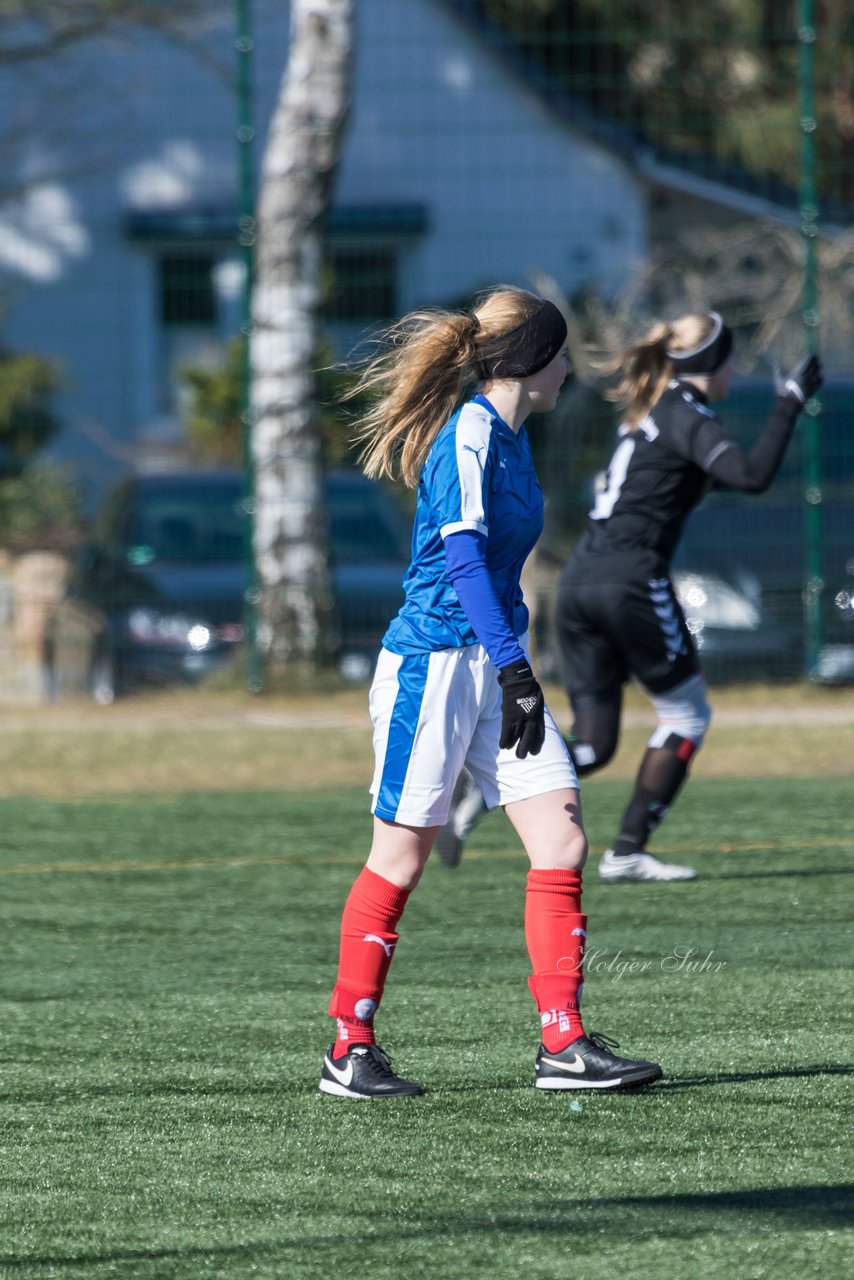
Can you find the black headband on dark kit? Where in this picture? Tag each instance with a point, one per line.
(528, 348)
(709, 355)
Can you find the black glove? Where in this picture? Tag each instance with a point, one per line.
(804, 380)
(522, 710)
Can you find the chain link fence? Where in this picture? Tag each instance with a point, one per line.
(630, 160)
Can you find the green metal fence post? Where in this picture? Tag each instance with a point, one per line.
(809, 229)
(246, 240)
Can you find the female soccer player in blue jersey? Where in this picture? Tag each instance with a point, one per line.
(453, 686)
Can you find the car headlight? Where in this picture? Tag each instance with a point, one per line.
(149, 626)
(710, 602)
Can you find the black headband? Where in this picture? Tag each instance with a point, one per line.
(527, 348)
(709, 355)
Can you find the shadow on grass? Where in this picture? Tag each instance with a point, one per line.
(677, 1216)
(671, 1083)
(747, 1077)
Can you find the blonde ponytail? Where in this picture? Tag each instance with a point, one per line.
(645, 371)
(418, 380)
(429, 359)
(646, 368)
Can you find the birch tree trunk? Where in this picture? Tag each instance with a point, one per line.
(292, 569)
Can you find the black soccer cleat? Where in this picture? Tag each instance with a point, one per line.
(364, 1072)
(588, 1063)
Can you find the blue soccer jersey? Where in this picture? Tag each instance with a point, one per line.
(479, 476)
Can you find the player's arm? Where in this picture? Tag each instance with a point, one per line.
(465, 556)
(461, 487)
(522, 704)
(728, 465)
(464, 529)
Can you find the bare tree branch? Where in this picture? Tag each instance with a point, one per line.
(752, 272)
(32, 30)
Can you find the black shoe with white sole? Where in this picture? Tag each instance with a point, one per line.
(364, 1072)
(588, 1063)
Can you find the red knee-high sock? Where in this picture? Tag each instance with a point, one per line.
(555, 930)
(368, 939)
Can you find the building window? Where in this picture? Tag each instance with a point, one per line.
(360, 285)
(190, 315)
(187, 293)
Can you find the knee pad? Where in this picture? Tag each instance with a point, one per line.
(684, 714)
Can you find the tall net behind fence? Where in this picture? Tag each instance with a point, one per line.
(629, 160)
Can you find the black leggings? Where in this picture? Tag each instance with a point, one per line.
(595, 732)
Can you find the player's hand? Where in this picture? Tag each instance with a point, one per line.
(522, 710)
(804, 380)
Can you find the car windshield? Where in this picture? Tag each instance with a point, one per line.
(363, 527)
(204, 524)
(187, 524)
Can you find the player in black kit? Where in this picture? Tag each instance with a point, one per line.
(617, 615)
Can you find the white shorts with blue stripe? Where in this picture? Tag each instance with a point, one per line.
(435, 712)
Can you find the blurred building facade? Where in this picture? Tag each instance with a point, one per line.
(119, 256)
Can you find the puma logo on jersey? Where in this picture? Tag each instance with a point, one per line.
(527, 704)
(387, 947)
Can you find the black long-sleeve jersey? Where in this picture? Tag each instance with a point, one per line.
(660, 471)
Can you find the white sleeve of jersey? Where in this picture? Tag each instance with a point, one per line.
(474, 429)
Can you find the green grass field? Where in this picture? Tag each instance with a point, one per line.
(168, 958)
